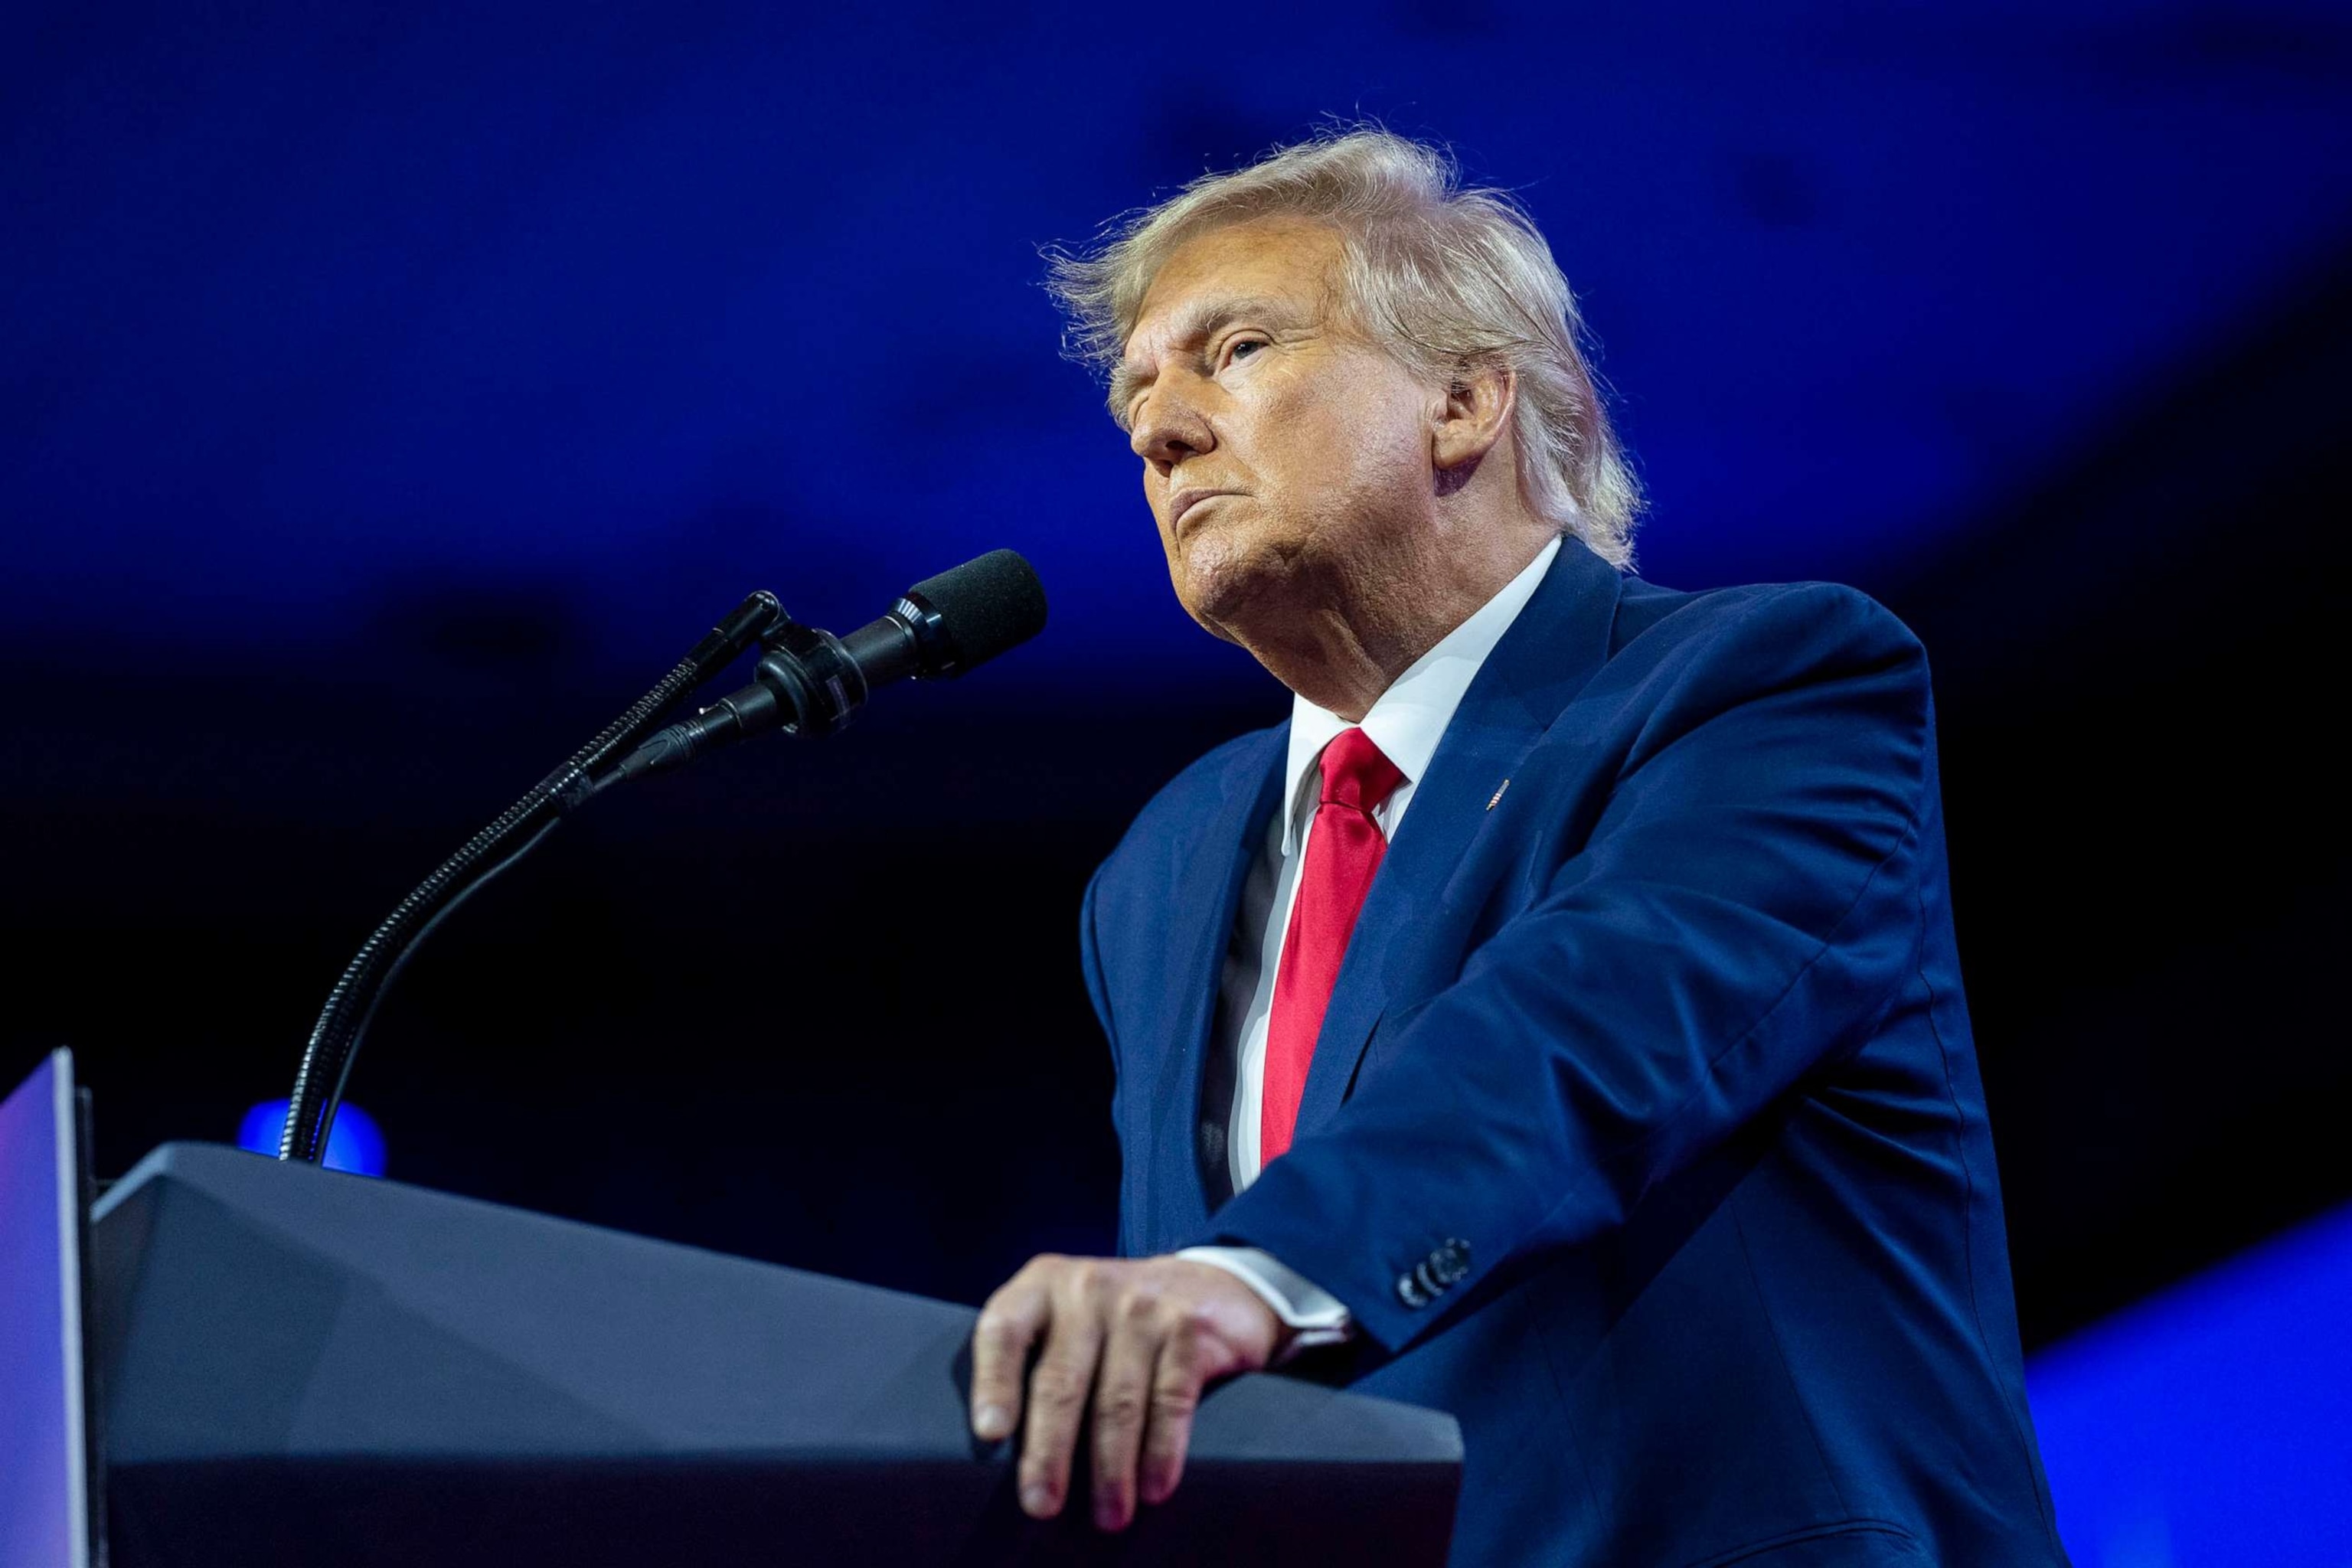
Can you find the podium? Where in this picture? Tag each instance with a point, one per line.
(298, 1366)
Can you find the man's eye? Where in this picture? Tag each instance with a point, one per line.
(1242, 347)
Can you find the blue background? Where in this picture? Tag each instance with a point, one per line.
(319, 317)
(387, 394)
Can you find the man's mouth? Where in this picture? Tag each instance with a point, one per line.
(1184, 501)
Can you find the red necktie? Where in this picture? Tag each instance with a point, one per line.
(1344, 846)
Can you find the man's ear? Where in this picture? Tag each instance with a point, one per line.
(1475, 413)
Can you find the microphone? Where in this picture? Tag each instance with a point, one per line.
(810, 682)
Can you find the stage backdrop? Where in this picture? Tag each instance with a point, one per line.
(389, 394)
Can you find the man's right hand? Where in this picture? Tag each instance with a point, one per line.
(1138, 1339)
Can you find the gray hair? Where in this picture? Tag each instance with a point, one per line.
(1442, 278)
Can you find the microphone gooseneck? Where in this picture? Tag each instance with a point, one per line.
(809, 683)
(343, 1023)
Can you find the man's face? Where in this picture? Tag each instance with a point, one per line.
(1281, 448)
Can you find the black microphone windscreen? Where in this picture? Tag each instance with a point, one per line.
(986, 606)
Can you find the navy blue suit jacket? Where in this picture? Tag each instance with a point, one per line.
(1663, 1054)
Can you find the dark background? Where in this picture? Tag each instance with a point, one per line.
(388, 395)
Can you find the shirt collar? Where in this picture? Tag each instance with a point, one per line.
(1409, 718)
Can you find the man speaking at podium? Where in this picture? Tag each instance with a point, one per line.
(1558, 1022)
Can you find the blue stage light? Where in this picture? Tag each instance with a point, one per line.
(356, 1145)
(2210, 1424)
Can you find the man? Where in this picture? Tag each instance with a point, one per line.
(1624, 1103)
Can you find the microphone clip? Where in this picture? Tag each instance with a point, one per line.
(811, 684)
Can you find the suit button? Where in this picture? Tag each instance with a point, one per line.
(1444, 1268)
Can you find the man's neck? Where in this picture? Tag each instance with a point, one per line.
(1341, 651)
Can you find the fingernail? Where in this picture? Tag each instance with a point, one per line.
(1037, 1500)
(992, 1422)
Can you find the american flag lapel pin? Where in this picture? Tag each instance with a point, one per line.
(1495, 798)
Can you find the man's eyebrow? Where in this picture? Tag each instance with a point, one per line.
(1200, 321)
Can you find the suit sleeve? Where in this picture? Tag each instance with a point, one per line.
(1098, 992)
(1744, 907)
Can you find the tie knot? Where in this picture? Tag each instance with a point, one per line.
(1357, 773)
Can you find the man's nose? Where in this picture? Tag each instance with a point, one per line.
(1170, 428)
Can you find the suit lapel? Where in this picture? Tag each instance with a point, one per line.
(1205, 900)
(1557, 644)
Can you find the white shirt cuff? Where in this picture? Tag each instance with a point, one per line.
(1315, 1314)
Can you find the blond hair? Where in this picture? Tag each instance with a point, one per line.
(1445, 279)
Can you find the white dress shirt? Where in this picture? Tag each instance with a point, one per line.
(1406, 723)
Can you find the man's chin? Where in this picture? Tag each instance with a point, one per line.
(1226, 582)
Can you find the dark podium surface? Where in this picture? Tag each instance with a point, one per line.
(302, 1367)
